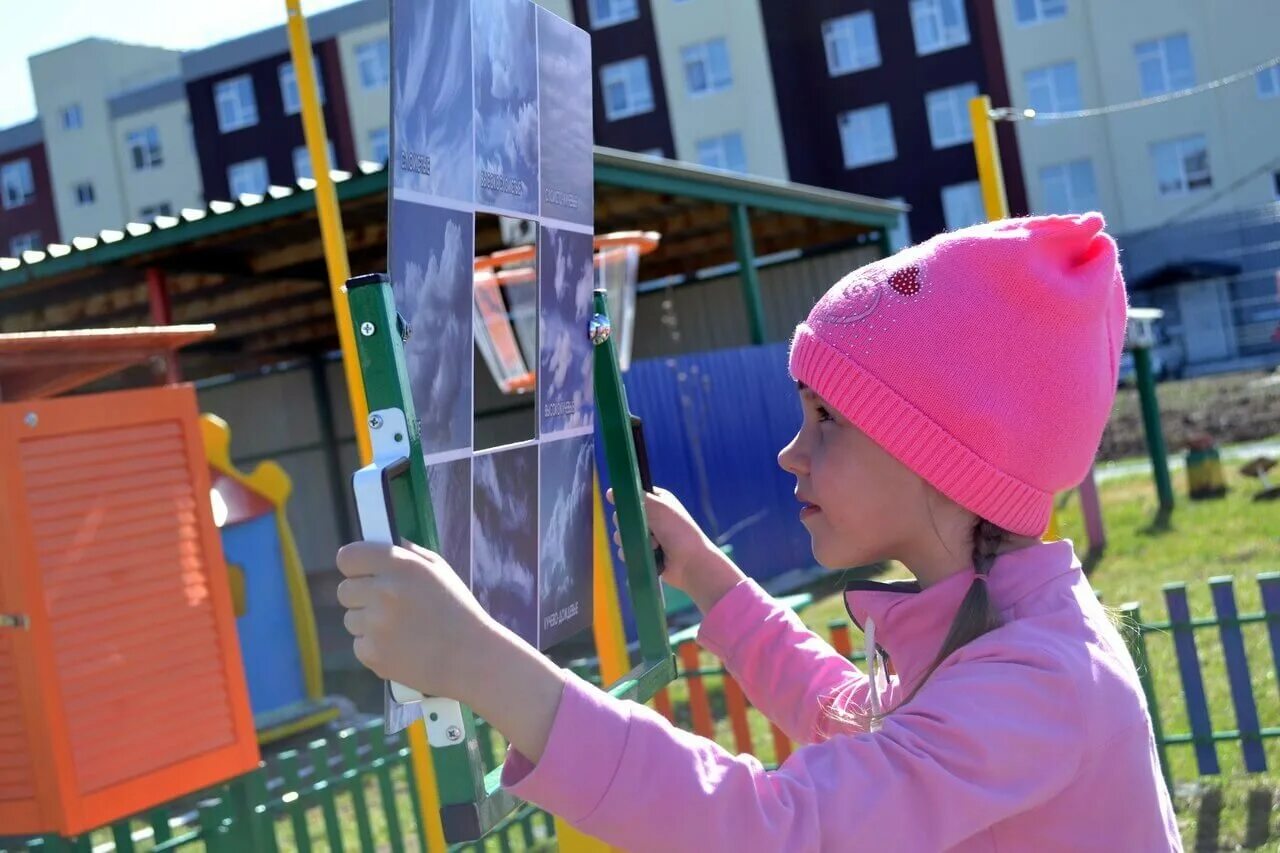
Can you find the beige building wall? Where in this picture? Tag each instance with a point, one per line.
(86, 74)
(1240, 129)
(370, 109)
(747, 107)
(177, 180)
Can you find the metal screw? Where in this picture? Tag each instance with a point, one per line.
(454, 733)
(367, 329)
(31, 419)
(375, 421)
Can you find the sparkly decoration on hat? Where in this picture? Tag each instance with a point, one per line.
(906, 280)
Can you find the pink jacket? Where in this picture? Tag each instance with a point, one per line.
(1033, 737)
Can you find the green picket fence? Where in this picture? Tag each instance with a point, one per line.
(354, 791)
(1215, 705)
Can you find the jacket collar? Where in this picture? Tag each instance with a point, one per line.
(911, 623)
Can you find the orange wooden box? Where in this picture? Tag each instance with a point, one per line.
(125, 688)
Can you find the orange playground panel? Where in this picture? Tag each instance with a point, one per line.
(121, 684)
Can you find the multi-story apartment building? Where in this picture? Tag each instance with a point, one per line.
(850, 94)
(1190, 182)
(27, 217)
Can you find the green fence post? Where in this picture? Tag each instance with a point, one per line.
(349, 744)
(1137, 642)
(322, 785)
(122, 835)
(297, 807)
(160, 831)
(386, 789)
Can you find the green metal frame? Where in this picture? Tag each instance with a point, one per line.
(473, 802)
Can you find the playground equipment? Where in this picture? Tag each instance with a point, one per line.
(1205, 478)
(394, 501)
(120, 678)
(508, 344)
(274, 617)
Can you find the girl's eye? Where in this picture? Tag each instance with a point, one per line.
(824, 415)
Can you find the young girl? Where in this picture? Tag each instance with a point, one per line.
(949, 391)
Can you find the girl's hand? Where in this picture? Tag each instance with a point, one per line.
(694, 564)
(414, 620)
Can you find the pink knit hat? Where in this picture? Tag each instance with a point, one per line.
(984, 359)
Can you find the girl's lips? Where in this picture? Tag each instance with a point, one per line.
(809, 510)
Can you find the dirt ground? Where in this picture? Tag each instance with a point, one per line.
(1232, 407)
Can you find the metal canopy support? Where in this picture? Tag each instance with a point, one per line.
(745, 250)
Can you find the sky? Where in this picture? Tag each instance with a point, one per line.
(35, 27)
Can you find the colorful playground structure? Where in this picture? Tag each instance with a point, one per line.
(274, 616)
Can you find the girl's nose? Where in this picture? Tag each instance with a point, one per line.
(792, 460)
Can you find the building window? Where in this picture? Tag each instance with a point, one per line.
(289, 87)
(380, 145)
(1069, 187)
(1054, 88)
(626, 87)
(144, 148)
(1182, 165)
(18, 183)
(72, 117)
(1164, 65)
(939, 25)
(236, 104)
(302, 161)
(1269, 82)
(84, 193)
(28, 242)
(866, 136)
(948, 109)
(706, 67)
(373, 58)
(962, 205)
(900, 233)
(851, 43)
(248, 177)
(606, 13)
(151, 211)
(1030, 12)
(723, 152)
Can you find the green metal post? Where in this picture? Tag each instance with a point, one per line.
(1151, 424)
(658, 663)
(744, 248)
(471, 803)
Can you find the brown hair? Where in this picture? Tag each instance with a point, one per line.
(976, 616)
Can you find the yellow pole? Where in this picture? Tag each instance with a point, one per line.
(987, 151)
(335, 253)
(986, 148)
(611, 646)
(330, 214)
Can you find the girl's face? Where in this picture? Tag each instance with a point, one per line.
(859, 504)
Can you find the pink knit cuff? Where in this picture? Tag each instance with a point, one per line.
(917, 441)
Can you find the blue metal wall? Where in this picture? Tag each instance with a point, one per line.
(714, 423)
